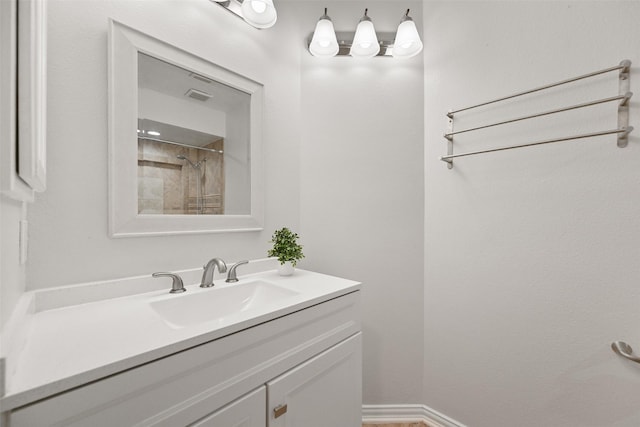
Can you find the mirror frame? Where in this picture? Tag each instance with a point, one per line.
(32, 89)
(23, 46)
(124, 220)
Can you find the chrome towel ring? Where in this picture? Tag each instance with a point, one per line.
(624, 350)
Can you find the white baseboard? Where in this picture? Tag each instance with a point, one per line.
(381, 414)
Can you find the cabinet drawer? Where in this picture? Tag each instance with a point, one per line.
(321, 392)
(185, 387)
(248, 411)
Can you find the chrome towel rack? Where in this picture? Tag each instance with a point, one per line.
(623, 130)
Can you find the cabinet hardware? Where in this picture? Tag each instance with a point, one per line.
(279, 411)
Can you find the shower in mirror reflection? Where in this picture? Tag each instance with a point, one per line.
(200, 177)
(180, 171)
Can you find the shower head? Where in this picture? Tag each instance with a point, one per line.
(181, 157)
(193, 165)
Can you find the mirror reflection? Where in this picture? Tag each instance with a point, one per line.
(193, 143)
(175, 177)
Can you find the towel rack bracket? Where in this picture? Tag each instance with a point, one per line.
(449, 139)
(626, 64)
(624, 83)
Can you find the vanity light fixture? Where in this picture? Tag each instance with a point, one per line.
(324, 42)
(257, 13)
(201, 78)
(365, 42)
(407, 42)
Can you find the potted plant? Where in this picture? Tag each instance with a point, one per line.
(286, 249)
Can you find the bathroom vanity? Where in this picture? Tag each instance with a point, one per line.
(289, 356)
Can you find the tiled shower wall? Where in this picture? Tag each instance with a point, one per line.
(168, 185)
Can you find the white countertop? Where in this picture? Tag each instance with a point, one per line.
(65, 346)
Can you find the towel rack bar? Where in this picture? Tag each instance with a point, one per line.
(166, 141)
(626, 131)
(624, 65)
(624, 100)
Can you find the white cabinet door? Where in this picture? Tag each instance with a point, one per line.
(248, 411)
(325, 391)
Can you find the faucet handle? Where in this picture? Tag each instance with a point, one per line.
(231, 276)
(176, 286)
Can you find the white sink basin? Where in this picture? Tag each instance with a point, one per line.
(218, 303)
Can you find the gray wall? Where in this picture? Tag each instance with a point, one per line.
(362, 192)
(530, 256)
(531, 259)
(12, 272)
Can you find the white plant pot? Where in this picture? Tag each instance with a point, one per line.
(286, 269)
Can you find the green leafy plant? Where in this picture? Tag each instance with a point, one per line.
(285, 246)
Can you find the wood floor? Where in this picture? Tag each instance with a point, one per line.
(396, 425)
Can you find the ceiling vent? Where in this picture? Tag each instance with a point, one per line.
(198, 94)
(201, 78)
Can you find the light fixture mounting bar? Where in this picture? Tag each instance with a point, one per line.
(345, 39)
(233, 6)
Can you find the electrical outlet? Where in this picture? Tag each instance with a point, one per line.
(24, 236)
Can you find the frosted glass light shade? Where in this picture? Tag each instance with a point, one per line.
(407, 43)
(365, 43)
(324, 42)
(259, 13)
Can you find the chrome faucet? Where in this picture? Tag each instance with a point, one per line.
(207, 275)
(176, 286)
(231, 276)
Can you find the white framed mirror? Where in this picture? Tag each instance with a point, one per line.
(23, 71)
(32, 89)
(185, 151)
